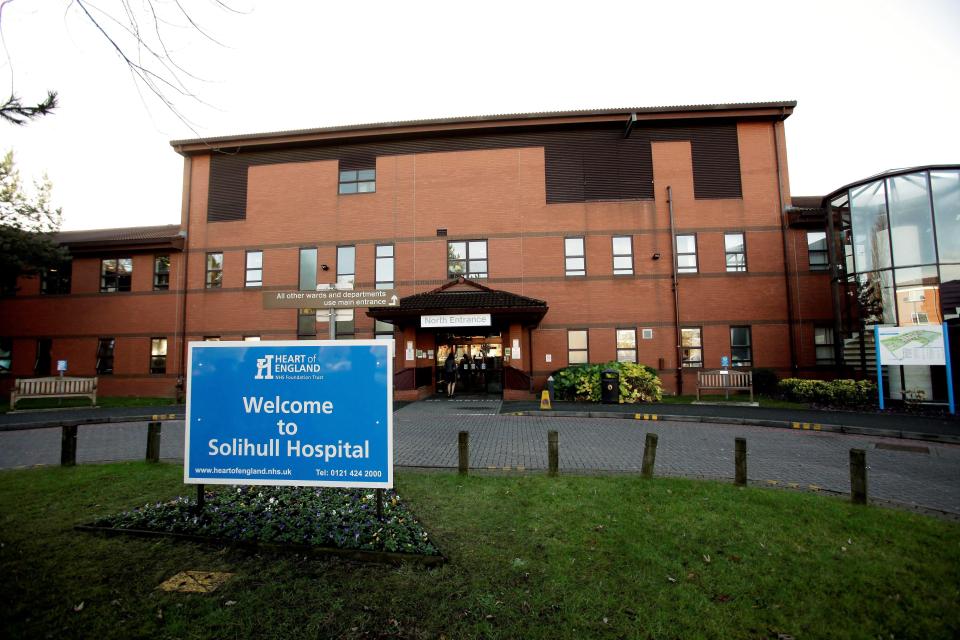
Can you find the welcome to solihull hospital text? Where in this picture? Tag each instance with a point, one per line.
(665, 236)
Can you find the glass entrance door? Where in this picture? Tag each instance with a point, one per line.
(479, 363)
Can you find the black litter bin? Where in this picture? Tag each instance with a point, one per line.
(610, 386)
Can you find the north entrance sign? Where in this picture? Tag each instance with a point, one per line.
(306, 413)
(330, 299)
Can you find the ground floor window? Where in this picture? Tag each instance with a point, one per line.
(626, 345)
(306, 324)
(691, 345)
(823, 342)
(741, 348)
(158, 355)
(382, 329)
(105, 348)
(6, 355)
(577, 349)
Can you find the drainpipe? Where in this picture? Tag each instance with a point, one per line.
(188, 190)
(834, 290)
(676, 293)
(530, 354)
(783, 235)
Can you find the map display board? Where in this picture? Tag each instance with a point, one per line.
(917, 345)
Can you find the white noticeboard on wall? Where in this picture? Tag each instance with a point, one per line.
(916, 345)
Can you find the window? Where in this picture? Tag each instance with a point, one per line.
(115, 274)
(211, 338)
(384, 266)
(817, 251)
(161, 273)
(346, 277)
(56, 280)
(736, 251)
(345, 324)
(358, 181)
(382, 329)
(577, 351)
(8, 283)
(919, 317)
(158, 355)
(622, 256)
(251, 338)
(105, 355)
(6, 355)
(823, 343)
(626, 345)
(214, 270)
(308, 269)
(468, 259)
(575, 262)
(41, 366)
(687, 254)
(254, 276)
(741, 350)
(306, 324)
(691, 346)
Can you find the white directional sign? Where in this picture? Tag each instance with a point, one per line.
(330, 299)
(456, 320)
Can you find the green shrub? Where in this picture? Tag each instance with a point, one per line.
(765, 382)
(833, 393)
(581, 382)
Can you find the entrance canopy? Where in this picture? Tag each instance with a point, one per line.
(462, 296)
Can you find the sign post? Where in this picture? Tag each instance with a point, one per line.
(290, 413)
(922, 345)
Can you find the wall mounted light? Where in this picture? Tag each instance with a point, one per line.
(324, 267)
(656, 255)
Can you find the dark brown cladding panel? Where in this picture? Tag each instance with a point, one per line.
(582, 165)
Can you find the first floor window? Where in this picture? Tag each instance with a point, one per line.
(626, 345)
(115, 274)
(161, 273)
(577, 350)
(346, 267)
(211, 338)
(6, 355)
(105, 355)
(251, 338)
(56, 280)
(158, 355)
(467, 258)
(691, 346)
(687, 254)
(622, 255)
(214, 270)
(741, 349)
(308, 269)
(254, 277)
(358, 181)
(735, 249)
(823, 342)
(575, 260)
(817, 252)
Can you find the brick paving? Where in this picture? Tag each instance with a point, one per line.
(425, 435)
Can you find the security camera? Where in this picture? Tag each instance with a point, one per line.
(656, 255)
(324, 267)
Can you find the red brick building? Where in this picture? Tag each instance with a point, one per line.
(559, 235)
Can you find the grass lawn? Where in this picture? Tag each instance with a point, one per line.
(65, 403)
(530, 557)
(772, 403)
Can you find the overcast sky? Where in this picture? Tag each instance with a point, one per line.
(878, 83)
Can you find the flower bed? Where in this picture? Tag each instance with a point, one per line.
(581, 382)
(296, 516)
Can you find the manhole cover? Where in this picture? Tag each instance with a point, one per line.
(196, 581)
(902, 447)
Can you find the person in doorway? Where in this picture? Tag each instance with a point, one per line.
(450, 373)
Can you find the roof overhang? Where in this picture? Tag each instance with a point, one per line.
(477, 124)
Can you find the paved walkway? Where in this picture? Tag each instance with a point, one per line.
(910, 472)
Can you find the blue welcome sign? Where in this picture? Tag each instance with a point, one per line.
(305, 413)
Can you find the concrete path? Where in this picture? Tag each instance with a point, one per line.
(908, 472)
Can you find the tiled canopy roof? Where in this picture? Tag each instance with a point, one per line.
(465, 296)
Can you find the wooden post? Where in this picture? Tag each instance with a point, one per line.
(858, 476)
(201, 498)
(153, 441)
(553, 452)
(741, 462)
(379, 493)
(68, 445)
(464, 442)
(649, 455)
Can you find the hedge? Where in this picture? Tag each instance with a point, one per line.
(581, 382)
(833, 393)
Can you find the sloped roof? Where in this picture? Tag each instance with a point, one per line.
(120, 238)
(467, 296)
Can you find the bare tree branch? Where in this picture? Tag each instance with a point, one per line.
(13, 111)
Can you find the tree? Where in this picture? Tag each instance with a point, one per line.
(27, 222)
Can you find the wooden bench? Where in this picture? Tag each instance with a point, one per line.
(53, 387)
(726, 381)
